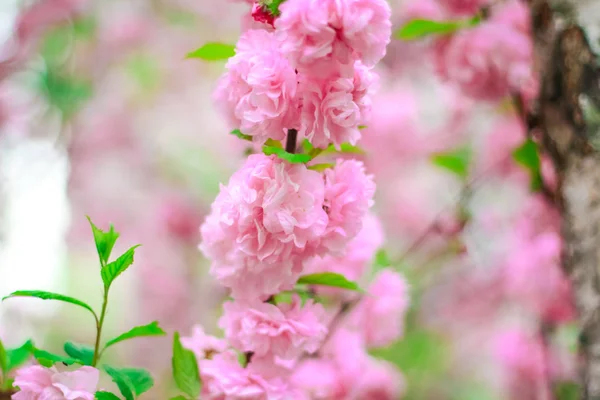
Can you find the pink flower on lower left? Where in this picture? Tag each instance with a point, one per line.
(40, 383)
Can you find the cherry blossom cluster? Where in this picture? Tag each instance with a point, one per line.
(492, 59)
(303, 72)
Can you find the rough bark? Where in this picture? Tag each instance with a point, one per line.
(569, 81)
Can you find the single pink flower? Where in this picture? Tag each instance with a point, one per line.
(380, 315)
(263, 225)
(320, 35)
(258, 91)
(203, 345)
(40, 383)
(333, 108)
(379, 381)
(349, 194)
(224, 379)
(285, 330)
(261, 13)
(487, 62)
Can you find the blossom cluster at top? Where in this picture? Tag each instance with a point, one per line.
(306, 68)
(310, 71)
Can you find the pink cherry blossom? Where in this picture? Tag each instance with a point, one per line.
(513, 13)
(203, 345)
(285, 330)
(263, 224)
(258, 91)
(355, 261)
(334, 108)
(348, 196)
(487, 62)
(463, 7)
(39, 383)
(224, 379)
(380, 315)
(321, 35)
(379, 381)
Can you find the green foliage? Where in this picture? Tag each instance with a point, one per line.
(123, 382)
(140, 379)
(180, 397)
(83, 353)
(66, 93)
(240, 135)
(20, 355)
(131, 382)
(185, 369)
(273, 6)
(106, 396)
(105, 241)
(3, 359)
(284, 155)
(213, 52)
(420, 28)
(329, 279)
(152, 329)
(457, 161)
(39, 294)
(567, 391)
(527, 155)
(48, 359)
(112, 270)
(321, 167)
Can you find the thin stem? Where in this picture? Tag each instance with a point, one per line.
(99, 328)
(290, 145)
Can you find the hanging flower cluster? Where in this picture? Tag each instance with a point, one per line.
(304, 76)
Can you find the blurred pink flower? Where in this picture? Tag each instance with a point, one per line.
(318, 35)
(380, 314)
(224, 379)
(488, 62)
(180, 218)
(334, 108)
(203, 345)
(264, 223)
(379, 381)
(258, 92)
(506, 135)
(284, 331)
(37, 382)
(463, 7)
(349, 194)
(525, 362)
(513, 13)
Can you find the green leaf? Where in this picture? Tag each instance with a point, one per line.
(321, 167)
(527, 155)
(104, 241)
(106, 396)
(185, 369)
(457, 161)
(213, 52)
(284, 155)
(273, 7)
(66, 93)
(567, 391)
(140, 379)
(123, 382)
(419, 28)
(112, 270)
(274, 143)
(382, 259)
(151, 329)
(3, 359)
(39, 294)
(20, 355)
(180, 397)
(329, 279)
(345, 148)
(48, 359)
(239, 134)
(80, 352)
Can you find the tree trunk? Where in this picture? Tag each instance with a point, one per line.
(569, 86)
